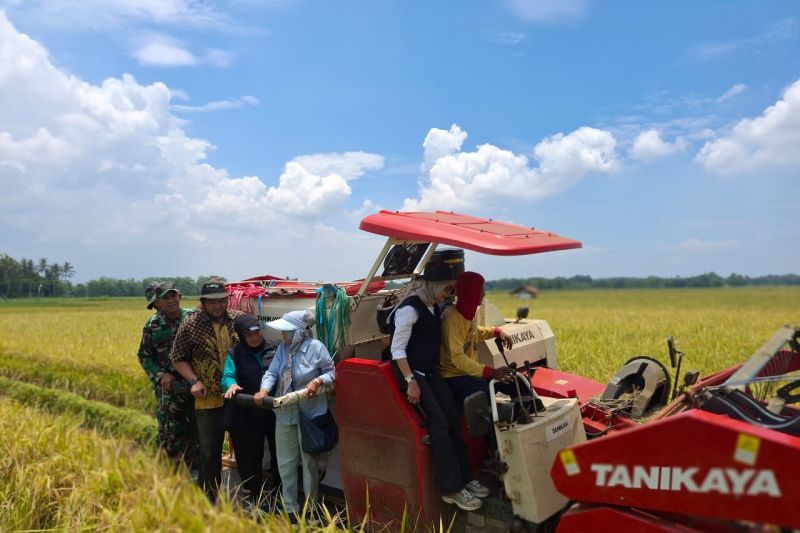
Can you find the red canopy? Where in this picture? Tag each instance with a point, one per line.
(479, 234)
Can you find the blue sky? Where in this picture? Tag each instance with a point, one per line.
(177, 137)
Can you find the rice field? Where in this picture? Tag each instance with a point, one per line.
(76, 418)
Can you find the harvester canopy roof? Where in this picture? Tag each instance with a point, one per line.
(478, 234)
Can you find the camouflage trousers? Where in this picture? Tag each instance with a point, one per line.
(177, 429)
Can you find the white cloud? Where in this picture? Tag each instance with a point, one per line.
(460, 180)
(649, 145)
(106, 176)
(160, 50)
(767, 141)
(218, 105)
(217, 58)
(733, 91)
(348, 165)
(109, 15)
(510, 38)
(775, 35)
(164, 52)
(548, 11)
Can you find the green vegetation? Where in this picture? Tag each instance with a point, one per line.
(26, 279)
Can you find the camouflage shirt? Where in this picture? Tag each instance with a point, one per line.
(204, 344)
(157, 337)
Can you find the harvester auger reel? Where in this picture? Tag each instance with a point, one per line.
(646, 381)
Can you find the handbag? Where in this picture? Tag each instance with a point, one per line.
(318, 434)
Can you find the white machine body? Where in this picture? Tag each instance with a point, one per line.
(530, 449)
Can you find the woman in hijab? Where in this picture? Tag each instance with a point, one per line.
(244, 367)
(460, 337)
(415, 354)
(300, 362)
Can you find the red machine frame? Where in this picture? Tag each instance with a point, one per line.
(685, 470)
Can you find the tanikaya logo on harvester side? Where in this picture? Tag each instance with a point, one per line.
(748, 481)
(525, 335)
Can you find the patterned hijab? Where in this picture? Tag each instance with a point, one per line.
(299, 336)
(427, 291)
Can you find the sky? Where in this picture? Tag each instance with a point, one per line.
(241, 137)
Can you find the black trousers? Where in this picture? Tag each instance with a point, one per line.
(248, 433)
(443, 420)
(211, 436)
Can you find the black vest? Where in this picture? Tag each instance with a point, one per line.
(422, 349)
(248, 371)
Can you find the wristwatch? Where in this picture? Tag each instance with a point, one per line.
(192, 381)
(409, 378)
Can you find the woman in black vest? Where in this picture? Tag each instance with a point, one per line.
(415, 348)
(244, 366)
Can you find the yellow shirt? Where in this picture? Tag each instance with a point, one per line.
(458, 355)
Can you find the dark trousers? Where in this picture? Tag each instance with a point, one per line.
(177, 430)
(210, 437)
(252, 425)
(443, 420)
(463, 386)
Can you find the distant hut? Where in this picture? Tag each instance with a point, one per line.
(525, 292)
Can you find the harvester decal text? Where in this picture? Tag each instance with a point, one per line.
(522, 336)
(747, 481)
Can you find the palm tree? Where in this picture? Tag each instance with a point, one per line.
(67, 270)
(53, 273)
(41, 266)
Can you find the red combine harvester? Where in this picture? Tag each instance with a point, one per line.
(565, 453)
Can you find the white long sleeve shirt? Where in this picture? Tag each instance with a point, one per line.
(404, 320)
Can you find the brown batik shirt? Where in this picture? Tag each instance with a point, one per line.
(203, 343)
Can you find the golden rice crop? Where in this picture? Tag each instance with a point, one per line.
(78, 358)
(598, 330)
(56, 475)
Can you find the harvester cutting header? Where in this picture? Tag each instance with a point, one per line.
(560, 451)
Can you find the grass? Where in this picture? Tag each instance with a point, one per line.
(87, 347)
(55, 475)
(113, 421)
(597, 330)
(76, 408)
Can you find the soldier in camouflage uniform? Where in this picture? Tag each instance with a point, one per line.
(174, 410)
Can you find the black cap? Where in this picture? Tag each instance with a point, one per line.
(213, 290)
(444, 265)
(244, 324)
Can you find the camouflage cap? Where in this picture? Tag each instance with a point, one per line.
(157, 290)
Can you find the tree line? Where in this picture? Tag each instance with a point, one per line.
(709, 279)
(27, 278)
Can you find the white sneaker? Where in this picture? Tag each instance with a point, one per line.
(463, 499)
(477, 489)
